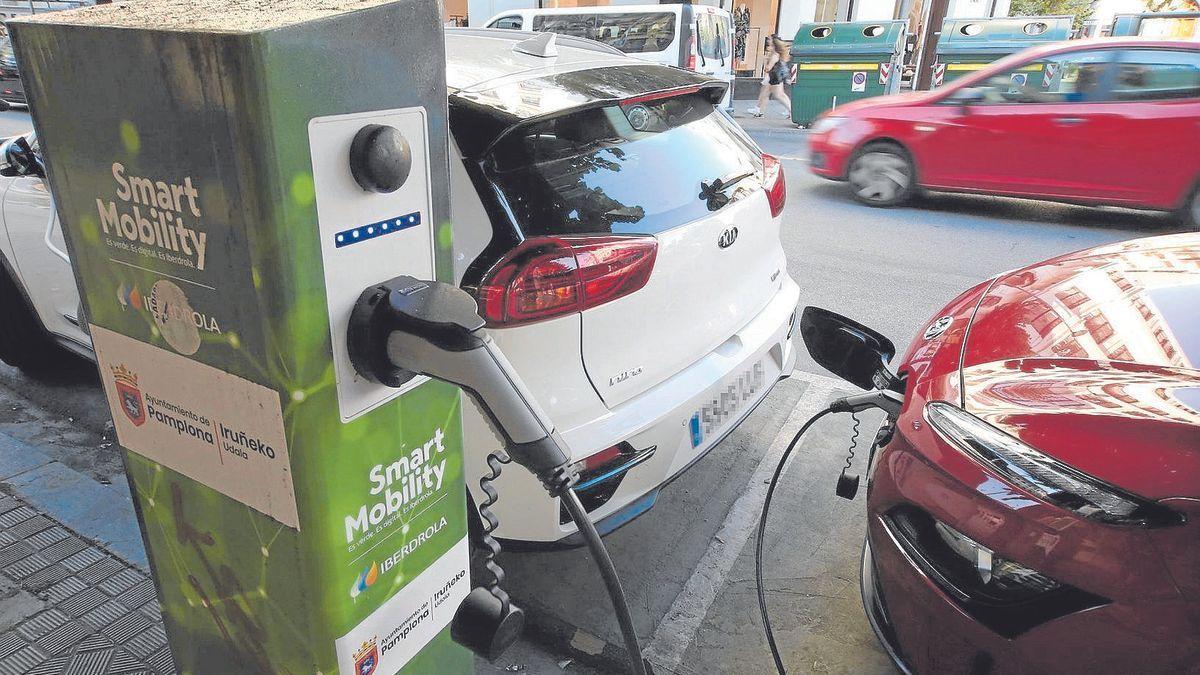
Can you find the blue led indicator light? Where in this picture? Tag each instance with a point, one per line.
(373, 230)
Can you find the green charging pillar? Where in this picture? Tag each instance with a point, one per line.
(229, 177)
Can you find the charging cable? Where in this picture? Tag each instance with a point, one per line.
(888, 401)
(561, 487)
(762, 526)
(609, 573)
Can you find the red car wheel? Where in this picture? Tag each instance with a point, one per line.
(881, 174)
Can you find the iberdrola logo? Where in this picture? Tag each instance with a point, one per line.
(366, 579)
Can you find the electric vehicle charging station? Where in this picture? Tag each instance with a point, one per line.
(242, 172)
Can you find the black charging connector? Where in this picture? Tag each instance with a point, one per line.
(886, 400)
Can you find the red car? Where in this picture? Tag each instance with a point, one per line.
(1112, 122)
(1035, 506)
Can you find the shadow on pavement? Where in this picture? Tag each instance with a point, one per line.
(1151, 222)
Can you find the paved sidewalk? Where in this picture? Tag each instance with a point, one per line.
(69, 606)
(775, 118)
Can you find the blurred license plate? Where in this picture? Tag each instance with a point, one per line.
(729, 399)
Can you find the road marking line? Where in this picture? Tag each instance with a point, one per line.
(678, 628)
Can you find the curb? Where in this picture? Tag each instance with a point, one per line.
(101, 513)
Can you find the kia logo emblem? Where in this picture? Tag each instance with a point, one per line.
(727, 237)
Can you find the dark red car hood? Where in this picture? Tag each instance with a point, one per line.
(1094, 358)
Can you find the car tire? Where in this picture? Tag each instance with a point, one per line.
(1190, 213)
(24, 342)
(882, 174)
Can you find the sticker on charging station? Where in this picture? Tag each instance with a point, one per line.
(393, 634)
(218, 429)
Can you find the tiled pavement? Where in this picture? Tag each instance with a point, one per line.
(70, 606)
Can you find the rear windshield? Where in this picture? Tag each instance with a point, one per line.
(711, 42)
(631, 33)
(593, 172)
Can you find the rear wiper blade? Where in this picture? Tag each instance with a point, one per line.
(714, 193)
(719, 185)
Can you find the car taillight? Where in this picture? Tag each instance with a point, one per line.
(691, 58)
(774, 184)
(605, 459)
(545, 277)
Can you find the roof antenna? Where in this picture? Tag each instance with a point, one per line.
(541, 45)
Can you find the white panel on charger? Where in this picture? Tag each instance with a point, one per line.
(382, 235)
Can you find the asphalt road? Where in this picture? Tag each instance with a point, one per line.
(688, 563)
(15, 121)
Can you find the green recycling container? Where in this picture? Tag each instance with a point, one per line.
(1178, 25)
(967, 45)
(844, 61)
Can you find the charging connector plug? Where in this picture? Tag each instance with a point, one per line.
(886, 400)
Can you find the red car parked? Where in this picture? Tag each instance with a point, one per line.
(1113, 122)
(1036, 505)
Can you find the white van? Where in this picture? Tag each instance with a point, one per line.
(694, 37)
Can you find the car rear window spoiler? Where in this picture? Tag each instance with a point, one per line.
(481, 118)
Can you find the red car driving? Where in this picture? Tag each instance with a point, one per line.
(1110, 122)
(1035, 506)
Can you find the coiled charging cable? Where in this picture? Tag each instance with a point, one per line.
(559, 486)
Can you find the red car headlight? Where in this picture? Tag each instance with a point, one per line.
(1041, 475)
(827, 123)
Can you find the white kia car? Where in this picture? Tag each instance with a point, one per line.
(621, 234)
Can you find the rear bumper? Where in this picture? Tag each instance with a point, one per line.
(664, 417)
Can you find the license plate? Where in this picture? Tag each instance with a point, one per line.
(728, 401)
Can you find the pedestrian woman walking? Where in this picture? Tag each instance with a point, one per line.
(778, 73)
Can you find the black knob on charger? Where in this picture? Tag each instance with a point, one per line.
(485, 625)
(380, 158)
